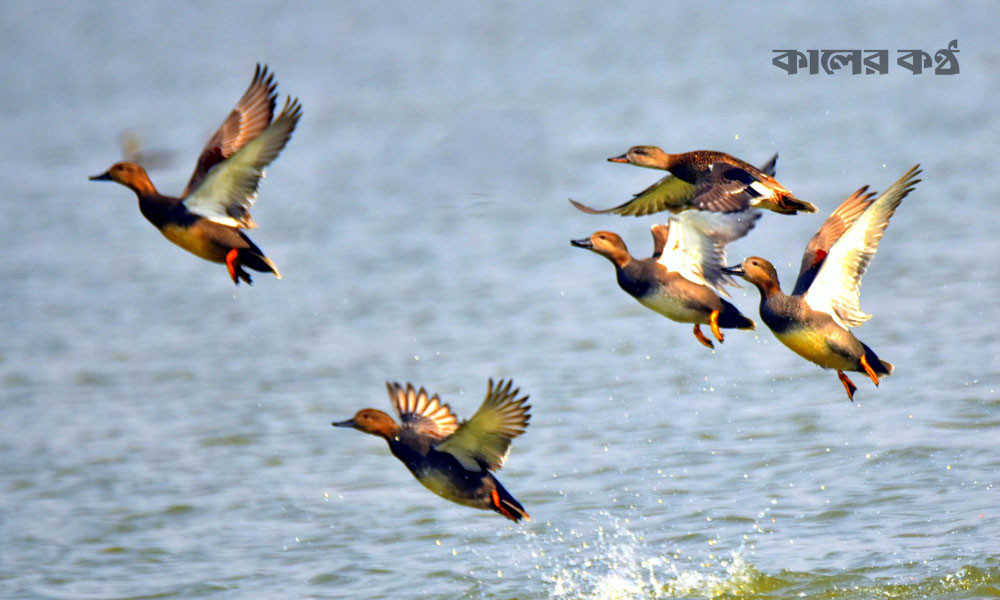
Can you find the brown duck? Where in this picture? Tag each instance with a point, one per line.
(450, 459)
(813, 321)
(209, 218)
(683, 279)
(705, 180)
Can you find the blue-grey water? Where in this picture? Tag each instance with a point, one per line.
(166, 435)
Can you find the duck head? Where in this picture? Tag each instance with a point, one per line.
(607, 244)
(373, 421)
(650, 157)
(757, 271)
(129, 174)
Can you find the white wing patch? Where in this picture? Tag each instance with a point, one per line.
(696, 244)
(762, 189)
(837, 287)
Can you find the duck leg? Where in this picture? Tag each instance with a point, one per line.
(495, 497)
(236, 271)
(713, 320)
(701, 336)
(848, 385)
(231, 264)
(868, 369)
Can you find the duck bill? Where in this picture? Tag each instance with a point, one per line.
(348, 423)
(585, 243)
(106, 176)
(619, 159)
(736, 270)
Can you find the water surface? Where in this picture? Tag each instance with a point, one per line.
(166, 435)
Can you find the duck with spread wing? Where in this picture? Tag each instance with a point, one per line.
(209, 218)
(683, 279)
(814, 320)
(453, 460)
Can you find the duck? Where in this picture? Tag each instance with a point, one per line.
(704, 180)
(814, 320)
(210, 217)
(683, 278)
(450, 459)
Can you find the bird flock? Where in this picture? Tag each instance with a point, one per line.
(713, 198)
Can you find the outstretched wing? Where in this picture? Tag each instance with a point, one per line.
(669, 193)
(226, 194)
(836, 290)
(248, 119)
(484, 440)
(420, 413)
(831, 230)
(696, 244)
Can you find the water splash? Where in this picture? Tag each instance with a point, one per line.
(613, 563)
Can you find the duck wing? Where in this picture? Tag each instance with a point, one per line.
(696, 244)
(248, 119)
(227, 192)
(831, 230)
(661, 234)
(770, 168)
(836, 289)
(483, 442)
(730, 188)
(669, 193)
(422, 414)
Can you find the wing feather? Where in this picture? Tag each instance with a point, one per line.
(484, 440)
(669, 193)
(831, 230)
(696, 244)
(422, 414)
(226, 194)
(248, 119)
(836, 290)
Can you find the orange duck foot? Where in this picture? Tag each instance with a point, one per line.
(713, 320)
(236, 271)
(868, 369)
(848, 385)
(701, 336)
(500, 507)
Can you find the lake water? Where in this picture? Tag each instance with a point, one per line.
(166, 435)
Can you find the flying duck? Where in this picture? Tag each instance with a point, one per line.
(683, 279)
(209, 218)
(814, 320)
(453, 460)
(705, 180)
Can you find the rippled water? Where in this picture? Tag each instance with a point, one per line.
(164, 435)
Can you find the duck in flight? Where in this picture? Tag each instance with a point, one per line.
(453, 460)
(683, 279)
(704, 180)
(814, 320)
(209, 218)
